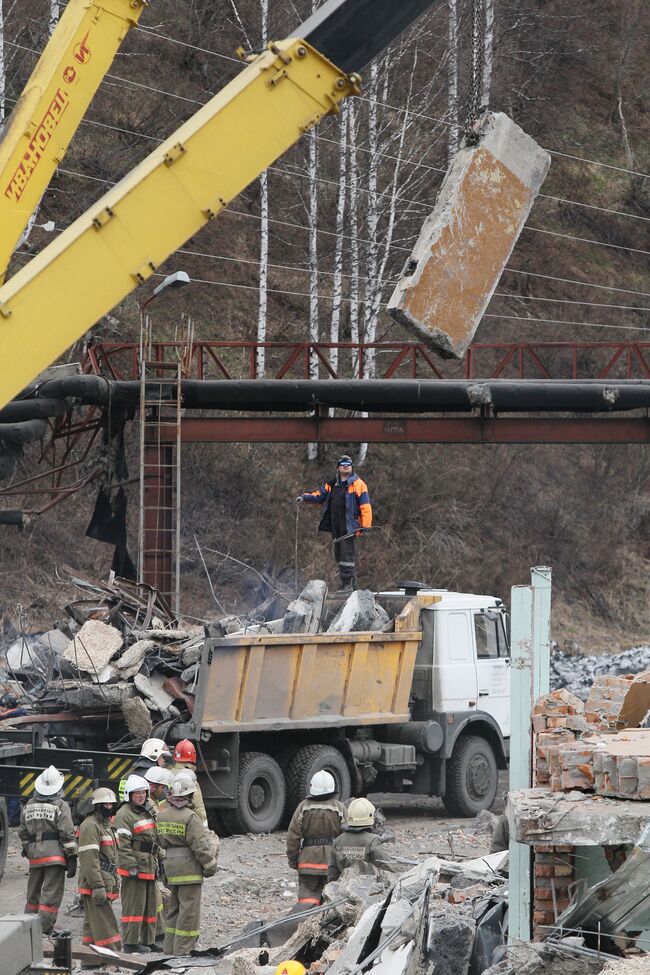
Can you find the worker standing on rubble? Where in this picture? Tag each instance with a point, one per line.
(138, 867)
(98, 883)
(47, 836)
(154, 752)
(185, 759)
(190, 858)
(160, 780)
(347, 513)
(317, 821)
(358, 845)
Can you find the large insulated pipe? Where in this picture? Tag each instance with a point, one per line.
(372, 395)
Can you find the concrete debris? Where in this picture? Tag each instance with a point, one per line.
(618, 702)
(137, 717)
(93, 647)
(155, 696)
(548, 959)
(95, 697)
(130, 662)
(303, 615)
(465, 243)
(577, 672)
(360, 612)
(451, 938)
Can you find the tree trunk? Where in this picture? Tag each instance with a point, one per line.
(262, 311)
(337, 282)
(488, 52)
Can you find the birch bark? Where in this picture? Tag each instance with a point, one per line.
(262, 311)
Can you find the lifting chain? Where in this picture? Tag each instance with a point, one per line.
(476, 75)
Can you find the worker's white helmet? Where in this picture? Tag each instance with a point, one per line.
(153, 748)
(361, 812)
(322, 784)
(183, 785)
(159, 776)
(101, 796)
(49, 782)
(135, 783)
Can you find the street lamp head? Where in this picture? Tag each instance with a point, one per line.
(175, 280)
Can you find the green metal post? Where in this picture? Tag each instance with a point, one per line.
(530, 649)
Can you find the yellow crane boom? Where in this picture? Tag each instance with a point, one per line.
(53, 103)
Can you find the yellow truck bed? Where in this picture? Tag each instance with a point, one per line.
(254, 683)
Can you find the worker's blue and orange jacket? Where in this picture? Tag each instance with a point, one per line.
(358, 510)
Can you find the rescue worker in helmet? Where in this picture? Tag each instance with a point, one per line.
(160, 780)
(138, 867)
(190, 858)
(47, 837)
(154, 752)
(185, 758)
(358, 846)
(317, 821)
(347, 512)
(98, 883)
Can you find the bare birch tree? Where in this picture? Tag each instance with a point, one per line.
(452, 81)
(337, 280)
(488, 51)
(262, 312)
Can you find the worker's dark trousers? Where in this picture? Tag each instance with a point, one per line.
(182, 919)
(45, 888)
(139, 903)
(310, 889)
(100, 924)
(344, 555)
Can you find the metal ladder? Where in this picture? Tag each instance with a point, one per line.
(159, 530)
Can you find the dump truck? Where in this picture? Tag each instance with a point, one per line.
(424, 709)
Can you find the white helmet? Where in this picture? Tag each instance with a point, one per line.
(153, 748)
(361, 812)
(322, 784)
(159, 776)
(101, 796)
(135, 783)
(183, 785)
(49, 782)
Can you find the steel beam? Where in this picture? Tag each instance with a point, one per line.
(408, 429)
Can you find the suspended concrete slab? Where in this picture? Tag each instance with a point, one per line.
(465, 243)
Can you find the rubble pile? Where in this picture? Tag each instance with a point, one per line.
(577, 672)
(121, 648)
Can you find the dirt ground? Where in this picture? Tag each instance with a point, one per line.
(253, 880)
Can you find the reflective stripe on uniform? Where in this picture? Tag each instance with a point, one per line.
(182, 934)
(142, 824)
(89, 846)
(188, 879)
(136, 918)
(48, 909)
(42, 860)
(314, 866)
(123, 831)
(308, 900)
(87, 940)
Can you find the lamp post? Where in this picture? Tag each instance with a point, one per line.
(157, 468)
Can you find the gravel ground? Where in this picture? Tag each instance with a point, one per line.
(253, 880)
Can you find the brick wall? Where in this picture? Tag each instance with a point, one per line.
(553, 872)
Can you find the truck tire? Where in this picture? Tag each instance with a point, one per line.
(305, 763)
(261, 796)
(472, 777)
(4, 835)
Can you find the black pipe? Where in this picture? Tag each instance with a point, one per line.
(372, 395)
(19, 410)
(20, 433)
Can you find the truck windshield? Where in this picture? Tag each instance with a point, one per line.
(490, 636)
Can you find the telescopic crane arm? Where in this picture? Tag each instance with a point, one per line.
(125, 236)
(53, 103)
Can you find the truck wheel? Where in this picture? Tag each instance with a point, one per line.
(261, 796)
(472, 777)
(4, 835)
(305, 763)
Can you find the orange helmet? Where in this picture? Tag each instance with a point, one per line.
(185, 752)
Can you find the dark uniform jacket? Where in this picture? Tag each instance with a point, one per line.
(187, 844)
(361, 849)
(98, 856)
(138, 842)
(358, 510)
(313, 827)
(46, 832)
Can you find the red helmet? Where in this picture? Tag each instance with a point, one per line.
(185, 752)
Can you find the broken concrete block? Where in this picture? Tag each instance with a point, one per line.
(465, 243)
(27, 656)
(619, 702)
(151, 688)
(192, 653)
(132, 659)
(109, 675)
(358, 614)
(93, 647)
(190, 674)
(451, 939)
(137, 717)
(99, 697)
(303, 615)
